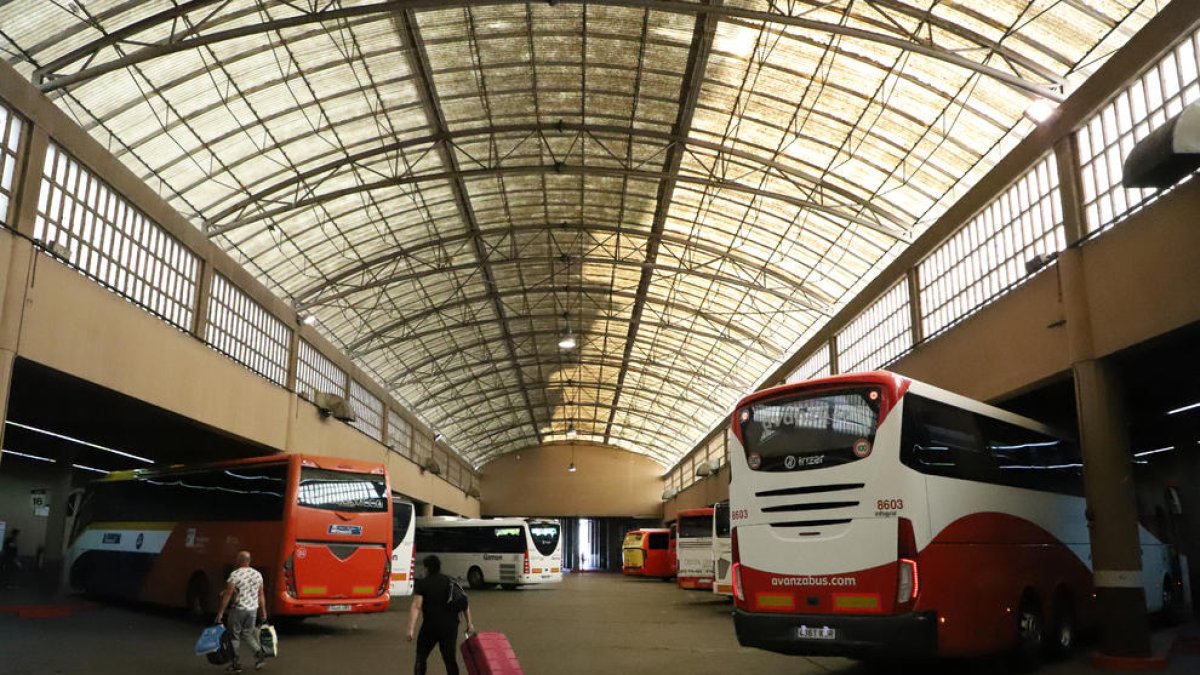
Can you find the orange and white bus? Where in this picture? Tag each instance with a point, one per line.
(722, 550)
(878, 516)
(319, 529)
(694, 548)
(648, 553)
(404, 555)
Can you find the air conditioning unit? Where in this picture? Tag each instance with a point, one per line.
(669, 494)
(473, 492)
(708, 468)
(431, 465)
(333, 405)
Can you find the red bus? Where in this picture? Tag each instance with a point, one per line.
(319, 529)
(694, 548)
(648, 553)
(878, 516)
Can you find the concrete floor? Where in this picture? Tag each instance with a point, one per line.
(589, 624)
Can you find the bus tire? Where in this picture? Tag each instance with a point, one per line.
(1170, 602)
(475, 578)
(1031, 634)
(1063, 633)
(197, 604)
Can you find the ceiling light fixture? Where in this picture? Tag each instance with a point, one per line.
(71, 439)
(567, 342)
(1041, 110)
(308, 319)
(571, 432)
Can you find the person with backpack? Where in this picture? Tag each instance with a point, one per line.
(439, 599)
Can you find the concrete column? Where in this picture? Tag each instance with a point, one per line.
(1104, 440)
(426, 509)
(1112, 511)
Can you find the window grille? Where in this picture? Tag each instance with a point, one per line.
(368, 411)
(422, 447)
(814, 366)
(315, 372)
(10, 138)
(399, 432)
(1106, 139)
(879, 335)
(105, 237)
(987, 256)
(246, 332)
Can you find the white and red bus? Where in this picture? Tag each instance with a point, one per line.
(694, 548)
(319, 529)
(404, 556)
(722, 550)
(878, 516)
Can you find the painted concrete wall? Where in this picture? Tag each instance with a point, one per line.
(608, 482)
(73, 325)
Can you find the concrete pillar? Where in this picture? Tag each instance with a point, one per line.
(426, 509)
(1104, 440)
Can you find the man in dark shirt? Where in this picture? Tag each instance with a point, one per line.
(431, 597)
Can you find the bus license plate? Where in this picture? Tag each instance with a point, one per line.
(816, 633)
(337, 608)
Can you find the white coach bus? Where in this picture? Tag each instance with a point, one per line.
(404, 536)
(507, 551)
(722, 550)
(876, 516)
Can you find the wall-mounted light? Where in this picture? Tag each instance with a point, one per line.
(1041, 110)
(438, 437)
(307, 319)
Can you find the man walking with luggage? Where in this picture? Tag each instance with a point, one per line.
(245, 588)
(431, 597)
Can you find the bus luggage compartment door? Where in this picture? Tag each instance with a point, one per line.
(326, 570)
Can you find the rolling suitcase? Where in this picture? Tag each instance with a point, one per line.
(490, 654)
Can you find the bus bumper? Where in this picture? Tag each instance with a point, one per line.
(912, 635)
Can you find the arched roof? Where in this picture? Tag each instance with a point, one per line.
(690, 188)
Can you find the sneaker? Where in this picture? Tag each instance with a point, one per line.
(233, 668)
(258, 665)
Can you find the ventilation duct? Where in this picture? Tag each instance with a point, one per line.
(1168, 155)
(333, 405)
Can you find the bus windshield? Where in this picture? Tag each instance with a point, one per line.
(545, 537)
(810, 431)
(691, 527)
(342, 491)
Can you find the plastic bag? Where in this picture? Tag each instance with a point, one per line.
(210, 640)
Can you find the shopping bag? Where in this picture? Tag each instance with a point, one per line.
(268, 640)
(210, 640)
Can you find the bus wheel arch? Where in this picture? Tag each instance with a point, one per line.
(197, 600)
(475, 577)
(1063, 634)
(1030, 632)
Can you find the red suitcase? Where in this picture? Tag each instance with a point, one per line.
(490, 654)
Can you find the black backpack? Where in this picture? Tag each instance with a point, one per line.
(224, 653)
(457, 600)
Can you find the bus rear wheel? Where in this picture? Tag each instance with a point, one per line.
(197, 604)
(475, 578)
(1061, 642)
(1031, 634)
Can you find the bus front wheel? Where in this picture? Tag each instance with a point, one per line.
(475, 578)
(197, 598)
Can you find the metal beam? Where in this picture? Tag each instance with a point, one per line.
(598, 361)
(664, 458)
(703, 32)
(456, 176)
(779, 294)
(454, 348)
(472, 399)
(354, 348)
(669, 424)
(418, 61)
(340, 161)
(48, 77)
(304, 301)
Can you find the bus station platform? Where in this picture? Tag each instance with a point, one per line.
(591, 624)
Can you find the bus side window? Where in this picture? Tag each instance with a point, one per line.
(658, 541)
(944, 441)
